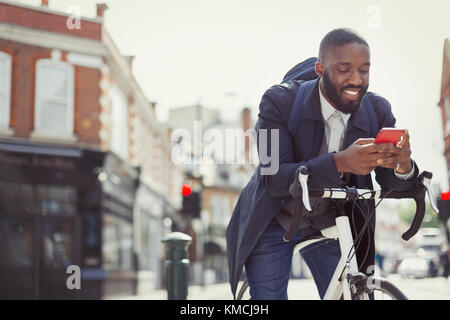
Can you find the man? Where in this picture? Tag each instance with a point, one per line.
(334, 140)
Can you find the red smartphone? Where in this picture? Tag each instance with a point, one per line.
(392, 135)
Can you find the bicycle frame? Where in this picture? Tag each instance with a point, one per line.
(339, 284)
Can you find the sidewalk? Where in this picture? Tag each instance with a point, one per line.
(305, 289)
(298, 289)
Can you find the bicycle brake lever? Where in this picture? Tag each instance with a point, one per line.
(426, 179)
(303, 178)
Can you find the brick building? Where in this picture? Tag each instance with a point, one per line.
(85, 171)
(444, 103)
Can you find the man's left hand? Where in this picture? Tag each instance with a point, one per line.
(398, 157)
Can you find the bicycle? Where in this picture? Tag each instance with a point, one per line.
(347, 281)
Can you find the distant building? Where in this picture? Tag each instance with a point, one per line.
(444, 103)
(223, 173)
(86, 176)
(185, 117)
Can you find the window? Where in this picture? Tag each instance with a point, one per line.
(54, 114)
(117, 249)
(119, 123)
(5, 89)
(220, 207)
(26, 199)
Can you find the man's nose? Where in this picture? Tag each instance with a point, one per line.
(355, 79)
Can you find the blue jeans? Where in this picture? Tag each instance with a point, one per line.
(269, 265)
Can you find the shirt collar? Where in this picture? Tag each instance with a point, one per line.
(328, 109)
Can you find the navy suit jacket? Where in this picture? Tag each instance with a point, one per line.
(264, 195)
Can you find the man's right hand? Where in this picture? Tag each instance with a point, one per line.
(362, 156)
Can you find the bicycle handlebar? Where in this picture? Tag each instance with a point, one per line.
(347, 193)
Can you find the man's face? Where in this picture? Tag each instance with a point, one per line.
(345, 75)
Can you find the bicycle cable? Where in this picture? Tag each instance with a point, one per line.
(355, 247)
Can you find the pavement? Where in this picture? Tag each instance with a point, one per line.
(305, 289)
(423, 289)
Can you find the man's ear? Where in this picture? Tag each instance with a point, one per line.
(318, 68)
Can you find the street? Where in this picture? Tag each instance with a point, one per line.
(304, 289)
(143, 147)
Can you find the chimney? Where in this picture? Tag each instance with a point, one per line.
(245, 116)
(130, 60)
(44, 3)
(101, 8)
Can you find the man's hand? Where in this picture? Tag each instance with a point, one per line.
(399, 158)
(363, 156)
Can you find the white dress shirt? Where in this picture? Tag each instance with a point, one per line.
(335, 127)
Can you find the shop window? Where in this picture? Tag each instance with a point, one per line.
(57, 200)
(111, 259)
(220, 207)
(5, 89)
(150, 235)
(25, 199)
(117, 244)
(54, 99)
(16, 259)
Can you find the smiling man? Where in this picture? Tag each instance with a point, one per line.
(340, 62)
(334, 138)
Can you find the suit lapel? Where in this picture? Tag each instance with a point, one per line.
(309, 134)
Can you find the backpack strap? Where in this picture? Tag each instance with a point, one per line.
(295, 117)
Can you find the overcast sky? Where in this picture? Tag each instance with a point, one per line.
(203, 50)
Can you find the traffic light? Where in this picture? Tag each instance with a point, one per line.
(191, 204)
(186, 189)
(444, 206)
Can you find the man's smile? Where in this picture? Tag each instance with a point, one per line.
(352, 93)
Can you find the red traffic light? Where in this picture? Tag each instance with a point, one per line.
(445, 196)
(186, 190)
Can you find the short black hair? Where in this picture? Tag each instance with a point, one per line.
(339, 37)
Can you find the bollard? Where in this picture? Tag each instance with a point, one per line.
(176, 244)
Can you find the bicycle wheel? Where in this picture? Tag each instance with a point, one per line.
(377, 289)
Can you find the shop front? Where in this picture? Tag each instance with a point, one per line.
(62, 206)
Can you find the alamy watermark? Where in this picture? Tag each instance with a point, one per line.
(373, 17)
(373, 281)
(74, 280)
(215, 146)
(74, 19)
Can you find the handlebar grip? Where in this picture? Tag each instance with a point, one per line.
(418, 217)
(304, 170)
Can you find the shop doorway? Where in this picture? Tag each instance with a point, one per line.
(35, 252)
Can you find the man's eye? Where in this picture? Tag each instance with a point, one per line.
(364, 71)
(343, 70)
